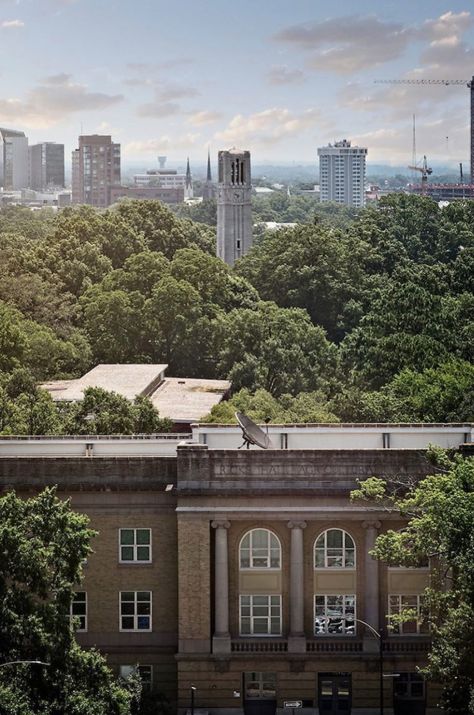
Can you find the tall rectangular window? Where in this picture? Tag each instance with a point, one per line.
(412, 606)
(334, 615)
(135, 546)
(78, 611)
(260, 615)
(135, 610)
(145, 672)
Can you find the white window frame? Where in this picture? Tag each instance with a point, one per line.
(326, 617)
(251, 548)
(135, 545)
(147, 684)
(251, 605)
(73, 616)
(344, 549)
(135, 614)
(397, 629)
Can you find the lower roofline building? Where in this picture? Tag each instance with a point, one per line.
(241, 572)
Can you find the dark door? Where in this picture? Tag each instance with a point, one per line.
(409, 694)
(334, 693)
(260, 693)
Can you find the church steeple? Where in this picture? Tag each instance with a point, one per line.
(188, 188)
(209, 175)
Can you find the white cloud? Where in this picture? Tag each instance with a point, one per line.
(199, 119)
(11, 24)
(267, 127)
(54, 99)
(347, 44)
(281, 74)
(160, 145)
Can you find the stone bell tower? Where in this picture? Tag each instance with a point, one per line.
(234, 205)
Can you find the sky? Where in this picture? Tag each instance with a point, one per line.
(278, 77)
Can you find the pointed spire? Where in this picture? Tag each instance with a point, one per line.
(209, 175)
(189, 180)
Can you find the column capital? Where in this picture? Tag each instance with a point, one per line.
(371, 524)
(296, 525)
(220, 524)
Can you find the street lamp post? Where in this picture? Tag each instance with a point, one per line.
(23, 662)
(193, 690)
(379, 635)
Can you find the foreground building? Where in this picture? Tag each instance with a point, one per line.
(342, 173)
(242, 573)
(95, 170)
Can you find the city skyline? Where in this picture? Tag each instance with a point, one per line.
(277, 80)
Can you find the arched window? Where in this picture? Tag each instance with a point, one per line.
(260, 549)
(334, 549)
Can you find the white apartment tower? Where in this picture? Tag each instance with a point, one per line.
(13, 160)
(342, 173)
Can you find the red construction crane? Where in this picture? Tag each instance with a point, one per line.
(425, 172)
(446, 83)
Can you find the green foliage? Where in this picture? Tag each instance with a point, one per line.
(440, 526)
(261, 406)
(44, 545)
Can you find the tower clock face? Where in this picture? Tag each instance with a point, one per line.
(237, 195)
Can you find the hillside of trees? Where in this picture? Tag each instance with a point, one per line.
(365, 316)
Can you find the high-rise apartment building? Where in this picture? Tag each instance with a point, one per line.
(46, 166)
(234, 205)
(13, 160)
(342, 173)
(95, 169)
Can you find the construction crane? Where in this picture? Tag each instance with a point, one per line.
(446, 83)
(425, 172)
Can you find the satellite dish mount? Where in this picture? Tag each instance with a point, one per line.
(252, 433)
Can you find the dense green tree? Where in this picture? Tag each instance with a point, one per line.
(439, 513)
(103, 412)
(277, 349)
(44, 545)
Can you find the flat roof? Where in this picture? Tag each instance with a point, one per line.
(128, 380)
(184, 399)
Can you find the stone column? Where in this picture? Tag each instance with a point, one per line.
(371, 585)
(296, 638)
(221, 639)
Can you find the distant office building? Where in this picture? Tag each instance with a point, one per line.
(13, 160)
(95, 170)
(208, 189)
(162, 178)
(46, 166)
(234, 205)
(342, 173)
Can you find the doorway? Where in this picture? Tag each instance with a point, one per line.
(260, 693)
(334, 693)
(409, 694)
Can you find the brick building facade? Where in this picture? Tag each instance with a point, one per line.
(241, 573)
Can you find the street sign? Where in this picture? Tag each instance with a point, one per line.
(292, 704)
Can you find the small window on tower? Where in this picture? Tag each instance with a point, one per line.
(242, 172)
(238, 243)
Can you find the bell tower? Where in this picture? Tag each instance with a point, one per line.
(234, 205)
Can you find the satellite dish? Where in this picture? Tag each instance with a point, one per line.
(252, 433)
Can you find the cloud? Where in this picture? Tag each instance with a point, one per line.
(205, 117)
(267, 127)
(160, 145)
(281, 74)
(54, 99)
(11, 24)
(158, 109)
(348, 44)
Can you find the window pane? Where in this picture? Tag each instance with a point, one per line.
(128, 609)
(127, 596)
(143, 536)
(260, 538)
(143, 553)
(127, 553)
(143, 596)
(127, 622)
(143, 622)
(334, 538)
(126, 536)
